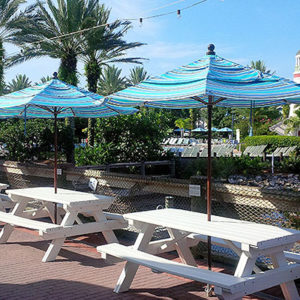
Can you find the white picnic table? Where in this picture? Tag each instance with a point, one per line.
(71, 204)
(5, 202)
(3, 186)
(255, 240)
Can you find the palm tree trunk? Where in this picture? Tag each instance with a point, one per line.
(68, 73)
(92, 71)
(1, 67)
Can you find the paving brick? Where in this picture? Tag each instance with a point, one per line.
(79, 273)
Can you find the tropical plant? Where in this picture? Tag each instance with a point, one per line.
(9, 19)
(135, 137)
(19, 83)
(183, 124)
(111, 81)
(285, 111)
(39, 35)
(102, 46)
(137, 75)
(44, 79)
(260, 66)
(293, 123)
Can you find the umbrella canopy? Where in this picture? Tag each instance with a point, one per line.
(179, 130)
(190, 86)
(225, 129)
(57, 99)
(214, 129)
(211, 80)
(42, 100)
(199, 129)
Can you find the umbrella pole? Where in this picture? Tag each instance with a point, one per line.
(208, 187)
(55, 163)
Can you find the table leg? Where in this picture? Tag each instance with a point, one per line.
(245, 265)
(7, 228)
(56, 244)
(289, 289)
(181, 247)
(50, 208)
(130, 268)
(109, 235)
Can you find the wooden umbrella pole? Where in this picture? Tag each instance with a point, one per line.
(208, 187)
(55, 163)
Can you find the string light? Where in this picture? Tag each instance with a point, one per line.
(107, 25)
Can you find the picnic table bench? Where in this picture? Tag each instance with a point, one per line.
(72, 204)
(255, 240)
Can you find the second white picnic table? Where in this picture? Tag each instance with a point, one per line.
(73, 203)
(255, 240)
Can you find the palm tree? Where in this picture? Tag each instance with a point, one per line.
(102, 46)
(137, 75)
(260, 66)
(111, 81)
(19, 83)
(46, 78)
(183, 124)
(38, 35)
(9, 18)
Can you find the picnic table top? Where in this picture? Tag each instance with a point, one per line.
(256, 235)
(63, 196)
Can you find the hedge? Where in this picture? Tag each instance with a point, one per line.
(273, 141)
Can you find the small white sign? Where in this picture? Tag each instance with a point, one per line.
(59, 171)
(194, 190)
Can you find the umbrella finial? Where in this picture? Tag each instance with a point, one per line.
(211, 48)
(55, 75)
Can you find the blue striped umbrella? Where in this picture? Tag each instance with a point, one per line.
(229, 83)
(57, 99)
(199, 129)
(210, 81)
(225, 129)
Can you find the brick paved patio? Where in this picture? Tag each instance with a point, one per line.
(79, 273)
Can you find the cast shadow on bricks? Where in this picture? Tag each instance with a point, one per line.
(62, 289)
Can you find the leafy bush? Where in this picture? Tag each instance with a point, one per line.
(225, 166)
(289, 164)
(136, 137)
(273, 141)
(38, 142)
(97, 155)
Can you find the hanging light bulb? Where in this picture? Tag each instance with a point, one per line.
(141, 22)
(178, 13)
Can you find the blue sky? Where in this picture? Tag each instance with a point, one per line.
(242, 30)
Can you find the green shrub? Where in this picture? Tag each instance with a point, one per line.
(273, 141)
(97, 155)
(289, 164)
(38, 142)
(223, 167)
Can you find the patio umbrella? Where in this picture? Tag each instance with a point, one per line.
(199, 129)
(210, 81)
(57, 99)
(225, 129)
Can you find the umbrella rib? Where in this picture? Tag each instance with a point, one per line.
(219, 100)
(199, 100)
(44, 108)
(72, 111)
